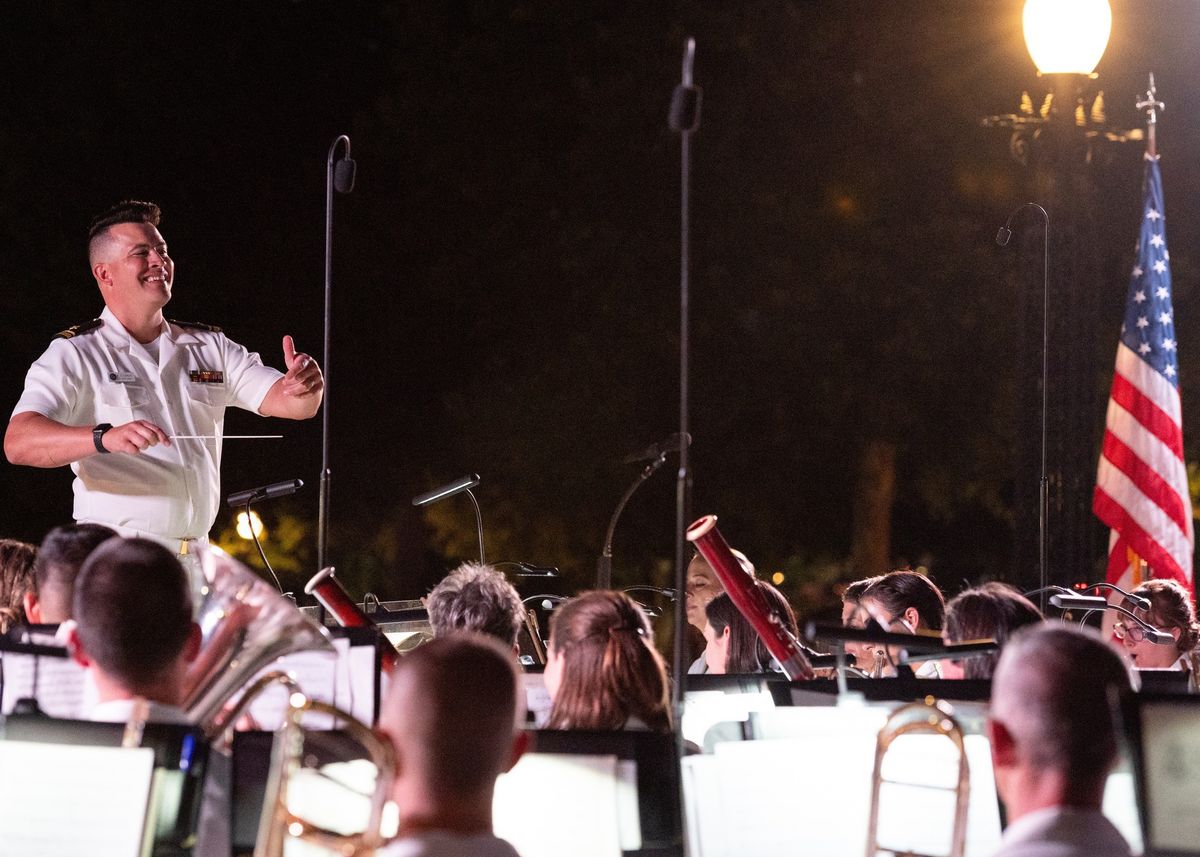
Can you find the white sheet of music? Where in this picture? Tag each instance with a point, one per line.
(553, 804)
(345, 678)
(63, 801)
(61, 684)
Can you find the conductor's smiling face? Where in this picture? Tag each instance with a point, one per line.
(133, 267)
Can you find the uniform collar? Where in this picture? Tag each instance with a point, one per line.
(121, 338)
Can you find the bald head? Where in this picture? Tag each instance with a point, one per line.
(453, 712)
(1053, 692)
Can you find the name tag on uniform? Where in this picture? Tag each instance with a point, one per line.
(122, 377)
(206, 376)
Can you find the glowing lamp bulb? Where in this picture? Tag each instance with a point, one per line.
(250, 528)
(1067, 36)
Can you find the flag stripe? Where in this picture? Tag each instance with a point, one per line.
(1147, 480)
(1148, 516)
(1156, 454)
(1149, 382)
(1115, 515)
(1153, 418)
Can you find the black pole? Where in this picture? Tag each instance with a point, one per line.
(685, 119)
(323, 501)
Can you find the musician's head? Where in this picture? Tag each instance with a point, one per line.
(454, 712)
(16, 579)
(59, 559)
(990, 611)
(476, 597)
(733, 645)
(854, 615)
(703, 585)
(602, 670)
(905, 602)
(133, 611)
(1171, 610)
(1052, 718)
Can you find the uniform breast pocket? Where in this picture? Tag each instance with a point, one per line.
(209, 396)
(121, 403)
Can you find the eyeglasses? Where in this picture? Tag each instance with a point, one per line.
(1135, 633)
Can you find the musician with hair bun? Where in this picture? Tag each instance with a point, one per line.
(1171, 610)
(734, 646)
(602, 670)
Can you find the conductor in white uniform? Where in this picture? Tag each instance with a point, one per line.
(108, 396)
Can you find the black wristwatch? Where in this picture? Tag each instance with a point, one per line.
(97, 434)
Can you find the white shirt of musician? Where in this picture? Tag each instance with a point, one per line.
(104, 375)
(442, 843)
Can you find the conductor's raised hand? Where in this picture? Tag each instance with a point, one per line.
(303, 378)
(134, 437)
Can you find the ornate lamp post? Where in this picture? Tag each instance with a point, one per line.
(1062, 142)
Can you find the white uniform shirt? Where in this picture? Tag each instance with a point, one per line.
(104, 375)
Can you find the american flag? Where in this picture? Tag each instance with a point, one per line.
(1141, 483)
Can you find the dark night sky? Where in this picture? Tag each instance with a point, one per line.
(506, 270)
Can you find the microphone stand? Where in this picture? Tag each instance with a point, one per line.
(684, 118)
(1043, 482)
(604, 564)
(323, 501)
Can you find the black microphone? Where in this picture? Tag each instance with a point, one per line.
(265, 492)
(674, 443)
(1002, 236)
(343, 173)
(684, 115)
(463, 483)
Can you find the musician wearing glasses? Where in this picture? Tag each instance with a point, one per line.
(907, 602)
(1171, 610)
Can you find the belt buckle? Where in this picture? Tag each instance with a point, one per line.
(183, 546)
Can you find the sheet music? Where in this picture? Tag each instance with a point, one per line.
(553, 804)
(64, 800)
(62, 687)
(344, 677)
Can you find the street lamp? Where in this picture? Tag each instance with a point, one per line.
(1067, 36)
(1064, 141)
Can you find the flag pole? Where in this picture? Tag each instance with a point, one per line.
(1151, 105)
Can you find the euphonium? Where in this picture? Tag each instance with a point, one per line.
(328, 590)
(245, 625)
(748, 599)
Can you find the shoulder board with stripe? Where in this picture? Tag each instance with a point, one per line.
(195, 325)
(77, 330)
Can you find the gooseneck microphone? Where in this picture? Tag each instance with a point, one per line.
(462, 485)
(246, 499)
(656, 454)
(1002, 237)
